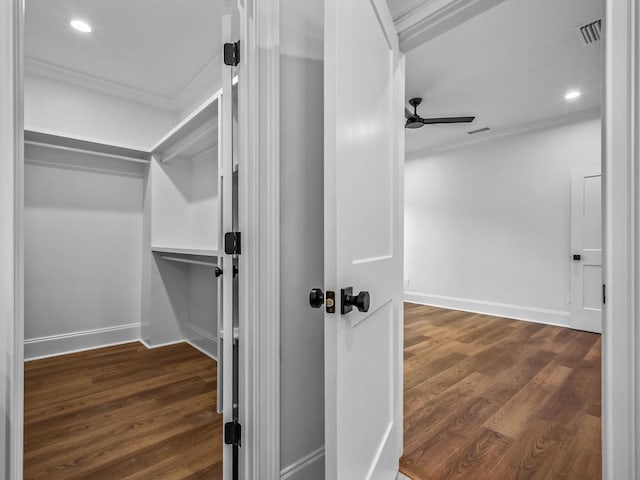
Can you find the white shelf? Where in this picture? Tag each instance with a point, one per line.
(187, 251)
(77, 145)
(196, 135)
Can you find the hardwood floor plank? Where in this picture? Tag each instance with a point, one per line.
(512, 419)
(475, 458)
(566, 404)
(532, 455)
(576, 350)
(507, 383)
(415, 340)
(582, 458)
(462, 422)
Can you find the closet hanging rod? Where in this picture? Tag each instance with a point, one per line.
(193, 262)
(85, 151)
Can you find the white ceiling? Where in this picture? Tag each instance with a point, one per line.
(154, 46)
(509, 66)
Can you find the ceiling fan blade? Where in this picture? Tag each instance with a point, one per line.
(407, 113)
(431, 121)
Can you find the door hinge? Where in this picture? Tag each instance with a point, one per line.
(604, 294)
(232, 54)
(232, 243)
(232, 433)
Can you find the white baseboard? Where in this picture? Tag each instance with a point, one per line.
(43, 347)
(63, 344)
(202, 340)
(146, 343)
(309, 467)
(516, 312)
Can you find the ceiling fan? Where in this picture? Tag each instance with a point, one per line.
(416, 121)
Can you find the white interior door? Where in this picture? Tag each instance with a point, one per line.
(227, 339)
(586, 248)
(364, 149)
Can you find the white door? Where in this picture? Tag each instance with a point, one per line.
(364, 150)
(586, 249)
(227, 339)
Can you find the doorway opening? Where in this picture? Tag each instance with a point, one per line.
(130, 186)
(503, 247)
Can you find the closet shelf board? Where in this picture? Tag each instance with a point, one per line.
(187, 251)
(71, 144)
(195, 135)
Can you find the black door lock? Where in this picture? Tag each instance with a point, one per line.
(316, 298)
(360, 301)
(577, 257)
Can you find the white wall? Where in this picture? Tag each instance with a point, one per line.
(53, 106)
(302, 239)
(302, 268)
(487, 227)
(201, 328)
(83, 255)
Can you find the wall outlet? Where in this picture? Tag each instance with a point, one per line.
(406, 282)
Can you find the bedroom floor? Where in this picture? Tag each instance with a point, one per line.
(492, 398)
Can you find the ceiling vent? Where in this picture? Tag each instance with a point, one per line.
(479, 130)
(590, 32)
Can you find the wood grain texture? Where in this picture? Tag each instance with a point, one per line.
(492, 398)
(123, 412)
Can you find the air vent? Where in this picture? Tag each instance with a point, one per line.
(590, 32)
(479, 130)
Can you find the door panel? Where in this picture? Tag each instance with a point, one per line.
(364, 98)
(368, 360)
(586, 241)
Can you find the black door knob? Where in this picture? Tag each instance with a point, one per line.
(361, 301)
(316, 297)
(577, 257)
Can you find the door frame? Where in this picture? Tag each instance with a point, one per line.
(259, 221)
(259, 217)
(11, 239)
(621, 266)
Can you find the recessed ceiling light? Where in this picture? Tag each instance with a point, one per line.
(572, 95)
(81, 26)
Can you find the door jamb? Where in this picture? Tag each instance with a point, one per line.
(259, 217)
(621, 269)
(11, 243)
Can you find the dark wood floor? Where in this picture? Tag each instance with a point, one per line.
(497, 399)
(123, 412)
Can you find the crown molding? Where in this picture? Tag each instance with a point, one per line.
(423, 20)
(559, 121)
(203, 84)
(206, 80)
(73, 77)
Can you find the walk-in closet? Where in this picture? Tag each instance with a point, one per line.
(128, 193)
